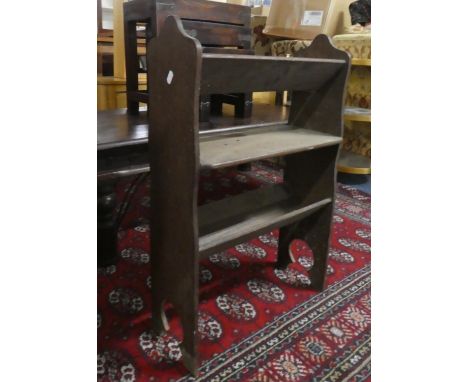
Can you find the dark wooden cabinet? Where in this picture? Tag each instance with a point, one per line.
(220, 28)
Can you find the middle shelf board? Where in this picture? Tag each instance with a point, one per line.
(230, 221)
(243, 146)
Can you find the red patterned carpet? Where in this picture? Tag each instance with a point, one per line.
(256, 323)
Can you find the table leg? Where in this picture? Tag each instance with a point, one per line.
(106, 225)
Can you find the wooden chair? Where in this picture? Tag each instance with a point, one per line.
(182, 233)
(215, 25)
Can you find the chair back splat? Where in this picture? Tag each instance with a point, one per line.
(219, 27)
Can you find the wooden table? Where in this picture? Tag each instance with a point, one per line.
(122, 150)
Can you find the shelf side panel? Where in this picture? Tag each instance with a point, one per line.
(174, 79)
(322, 109)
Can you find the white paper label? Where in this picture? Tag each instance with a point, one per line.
(312, 18)
(169, 77)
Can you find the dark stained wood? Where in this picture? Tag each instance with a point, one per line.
(214, 25)
(215, 34)
(205, 105)
(320, 166)
(226, 73)
(128, 170)
(322, 109)
(188, 10)
(122, 150)
(106, 224)
(225, 130)
(122, 163)
(204, 11)
(131, 65)
(135, 9)
(226, 50)
(139, 96)
(228, 150)
(115, 128)
(233, 220)
(302, 207)
(212, 217)
(174, 86)
(122, 139)
(242, 103)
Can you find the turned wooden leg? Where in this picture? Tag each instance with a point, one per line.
(216, 105)
(243, 106)
(204, 115)
(133, 107)
(106, 225)
(279, 98)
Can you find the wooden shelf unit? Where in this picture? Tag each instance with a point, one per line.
(179, 73)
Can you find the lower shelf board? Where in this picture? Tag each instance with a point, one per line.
(233, 220)
(120, 162)
(352, 163)
(122, 172)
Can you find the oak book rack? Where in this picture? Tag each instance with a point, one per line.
(302, 206)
